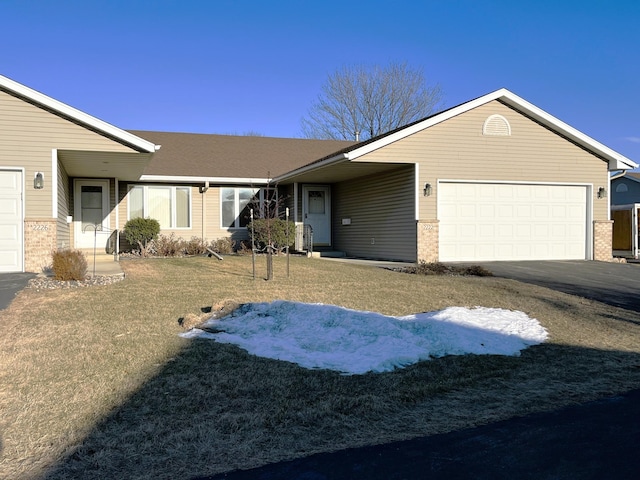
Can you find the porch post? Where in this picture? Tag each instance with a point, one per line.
(116, 253)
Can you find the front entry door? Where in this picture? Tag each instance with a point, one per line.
(316, 211)
(91, 213)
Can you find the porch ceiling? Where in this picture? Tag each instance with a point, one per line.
(341, 172)
(88, 164)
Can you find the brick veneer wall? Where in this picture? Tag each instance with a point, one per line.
(428, 238)
(39, 241)
(603, 240)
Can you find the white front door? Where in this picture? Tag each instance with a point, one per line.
(91, 213)
(11, 221)
(316, 211)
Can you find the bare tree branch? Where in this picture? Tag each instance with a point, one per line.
(369, 101)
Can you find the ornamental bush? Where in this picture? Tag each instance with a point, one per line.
(166, 246)
(68, 265)
(278, 233)
(140, 231)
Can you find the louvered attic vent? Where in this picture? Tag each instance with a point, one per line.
(496, 125)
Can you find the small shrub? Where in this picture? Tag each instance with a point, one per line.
(195, 246)
(437, 268)
(276, 229)
(242, 247)
(223, 246)
(69, 265)
(166, 245)
(140, 231)
(478, 271)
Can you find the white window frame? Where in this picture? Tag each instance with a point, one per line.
(261, 192)
(145, 203)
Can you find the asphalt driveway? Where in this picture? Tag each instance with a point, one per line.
(10, 285)
(616, 284)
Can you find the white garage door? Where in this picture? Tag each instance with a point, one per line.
(487, 221)
(11, 221)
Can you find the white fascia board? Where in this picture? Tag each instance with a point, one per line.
(81, 117)
(615, 159)
(313, 166)
(211, 180)
(429, 122)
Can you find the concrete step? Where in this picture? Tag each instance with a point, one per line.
(328, 254)
(105, 264)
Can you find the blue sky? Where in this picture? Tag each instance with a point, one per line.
(238, 66)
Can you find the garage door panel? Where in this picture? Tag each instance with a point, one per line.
(9, 232)
(512, 221)
(11, 221)
(9, 207)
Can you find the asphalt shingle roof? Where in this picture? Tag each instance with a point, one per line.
(212, 155)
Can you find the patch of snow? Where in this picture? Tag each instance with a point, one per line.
(356, 342)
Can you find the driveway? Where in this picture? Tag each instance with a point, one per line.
(10, 284)
(616, 284)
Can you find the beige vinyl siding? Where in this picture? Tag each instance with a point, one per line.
(457, 150)
(381, 208)
(287, 200)
(27, 136)
(64, 197)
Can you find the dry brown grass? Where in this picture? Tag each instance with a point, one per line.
(96, 383)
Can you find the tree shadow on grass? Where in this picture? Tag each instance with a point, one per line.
(214, 408)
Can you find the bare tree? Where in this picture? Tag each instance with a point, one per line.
(362, 102)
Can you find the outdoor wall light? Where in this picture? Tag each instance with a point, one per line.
(602, 192)
(427, 190)
(38, 181)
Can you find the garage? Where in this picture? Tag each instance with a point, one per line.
(11, 222)
(483, 221)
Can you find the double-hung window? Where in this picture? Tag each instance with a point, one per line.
(171, 206)
(236, 205)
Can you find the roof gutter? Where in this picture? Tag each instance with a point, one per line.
(312, 166)
(211, 180)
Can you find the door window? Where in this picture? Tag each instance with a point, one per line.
(316, 202)
(91, 206)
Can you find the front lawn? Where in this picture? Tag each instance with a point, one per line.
(96, 383)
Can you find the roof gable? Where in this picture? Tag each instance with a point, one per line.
(76, 116)
(615, 160)
(633, 176)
